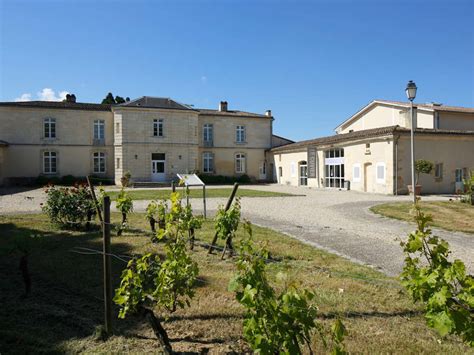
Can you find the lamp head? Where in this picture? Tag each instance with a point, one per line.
(411, 90)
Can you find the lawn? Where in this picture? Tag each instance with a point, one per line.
(449, 215)
(153, 194)
(65, 305)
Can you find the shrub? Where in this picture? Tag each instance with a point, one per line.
(422, 167)
(124, 204)
(444, 288)
(125, 179)
(148, 282)
(68, 205)
(468, 196)
(43, 180)
(275, 322)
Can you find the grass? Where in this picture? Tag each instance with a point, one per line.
(65, 307)
(449, 215)
(153, 194)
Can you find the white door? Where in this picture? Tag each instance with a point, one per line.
(158, 171)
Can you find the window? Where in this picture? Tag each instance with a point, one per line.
(240, 163)
(280, 171)
(461, 174)
(240, 134)
(158, 128)
(207, 133)
(356, 173)
(117, 127)
(50, 161)
(380, 173)
(207, 162)
(49, 128)
(118, 163)
(439, 171)
(99, 129)
(99, 162)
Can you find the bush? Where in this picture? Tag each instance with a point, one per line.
(68, 205)
(71, 180)
(468, 195)
(124, 204)
(443, 286)
(43, 180)
(276, 321)
(125, 179)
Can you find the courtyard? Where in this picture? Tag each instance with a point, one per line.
(336, 221)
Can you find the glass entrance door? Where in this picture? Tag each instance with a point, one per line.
(158, 167)
(334, 168)
(303, 174)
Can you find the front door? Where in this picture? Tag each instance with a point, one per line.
(158, 164)
(303, 174)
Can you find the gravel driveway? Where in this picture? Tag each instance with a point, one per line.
(336, 221)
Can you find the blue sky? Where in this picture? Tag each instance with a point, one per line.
(313, 63)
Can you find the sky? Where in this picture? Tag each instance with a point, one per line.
(313, 63)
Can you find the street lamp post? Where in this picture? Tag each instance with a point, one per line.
(411, 94)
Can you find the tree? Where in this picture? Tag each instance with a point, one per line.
(422, 167)
(109, 99)
(119, 99)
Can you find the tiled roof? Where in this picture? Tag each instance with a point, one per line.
(58, 105)
(156, 102)
(433, 106)
(286, 139)
(367, 133)
(231, 113)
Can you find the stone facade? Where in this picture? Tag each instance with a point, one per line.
(373, 150)
(152, 138)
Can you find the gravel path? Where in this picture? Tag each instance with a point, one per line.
(336, 221)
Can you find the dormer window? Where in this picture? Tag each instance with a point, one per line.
(49, 128)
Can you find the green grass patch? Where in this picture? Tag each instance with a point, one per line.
(153, 194)
(65, 307)
(449, 215)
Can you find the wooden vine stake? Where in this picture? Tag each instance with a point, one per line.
(107, 266)
(227, 206)
(97, 207)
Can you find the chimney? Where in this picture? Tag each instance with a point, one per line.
(268, 113)
(70, 98)
(223, 106)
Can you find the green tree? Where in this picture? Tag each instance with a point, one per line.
(422, 167)
(119, 99)
(109, 99)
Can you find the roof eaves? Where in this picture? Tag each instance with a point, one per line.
(338, 138)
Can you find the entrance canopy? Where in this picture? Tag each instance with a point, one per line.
(194, 180)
